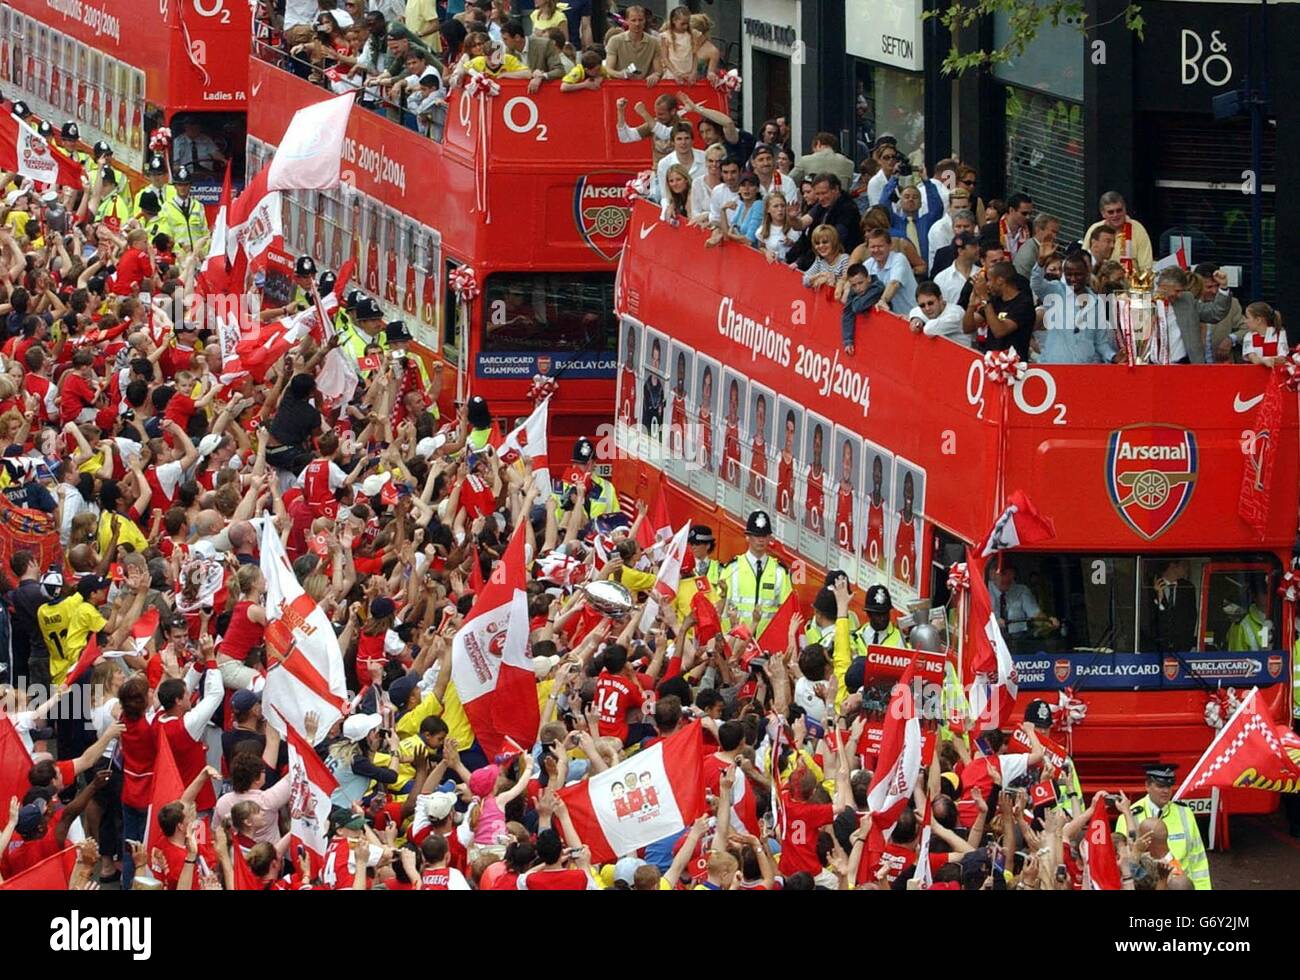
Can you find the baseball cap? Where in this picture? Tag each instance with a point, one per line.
(374, 483)
(358, 727)
(429, 445)
(438, 806)
(244, 700)
(626, 868)
(29, 818)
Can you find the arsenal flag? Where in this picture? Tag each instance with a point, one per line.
(899, 761)
(24, 152)
(1101, 863)
(143, 629)
(1251, 752)
(309, 798)
(989, 668)
(1258, 461)
(653, 795)
(255, 220)
(669, 577)
(306, 665)
(490, 665)
(1019, 525)
(528, 441)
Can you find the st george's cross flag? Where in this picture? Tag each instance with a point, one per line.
(490, 665)
(306, 664)
(528, 441)
(653, 795)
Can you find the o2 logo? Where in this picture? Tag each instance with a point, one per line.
(1214, 68)
(209, 8)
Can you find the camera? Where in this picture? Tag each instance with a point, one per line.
(905, 174)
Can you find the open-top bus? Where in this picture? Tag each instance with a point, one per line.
(904, 452)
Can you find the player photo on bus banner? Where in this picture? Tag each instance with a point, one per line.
(786, 452)
(731, 427)
(626, 393)
(907, 532)
(40, 83)
(652, 396)
(844, 505)
(704, 420)
(756, 448)
(680, 439)
(875, 507)
(392, 261)
(813, 531)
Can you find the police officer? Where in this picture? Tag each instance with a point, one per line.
(21, 110)
(757, 583)
(69, 136)
(479, 417)
(706, 573)
(102, 156)
(367, 327)
(183, 216)
(879, 629)
(1184, 836)
(1069, 794)
(304, 270)
(601, 497)
(155, 168)
(111, 205)
(325, 283)
(45, 131)
(147, 211)
(343, 322)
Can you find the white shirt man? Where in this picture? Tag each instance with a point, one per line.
(725, 195)
(936, 318)
(941, 231)
(683, 153)
(952, 280)
(892, 269)
(198, 151)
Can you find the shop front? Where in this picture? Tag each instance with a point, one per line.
(773, 56)
(883, 41)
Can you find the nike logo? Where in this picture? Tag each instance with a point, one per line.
(1240, 404)
(646, 229)
(257, 87)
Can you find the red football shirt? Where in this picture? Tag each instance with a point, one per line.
(799, 845)
(615, 697)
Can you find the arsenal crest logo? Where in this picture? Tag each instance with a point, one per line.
(1171, 668)
(1150, 475)
(1062, 670)
(544, 363)
(1275, 665)
(601, 213)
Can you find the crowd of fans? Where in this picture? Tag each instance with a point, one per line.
(139, 482)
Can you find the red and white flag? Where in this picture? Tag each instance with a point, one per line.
(669, 577)
(254, 222)
(528, 441)
(306, 664)
(490, 665)
(899, 760)
(144, 628)
(15, 762)
(214, 273)
(1101, 863)
(653, 795)
(311, 785)
(50, 875)
(25, 152)
(922, 873)
(310, 151)
(991, 674)
(1254, 503)
(657, 527)
(1019, 525)
(1251, 751)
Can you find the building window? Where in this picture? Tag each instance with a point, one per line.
(887, 102)
(1045, 156)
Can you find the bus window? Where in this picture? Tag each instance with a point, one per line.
(549, 311)
(450, 319)
(1239, 608)
(1060, 603)
(1169, 600)
(204, 141)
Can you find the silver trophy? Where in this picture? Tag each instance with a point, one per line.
(611, 599)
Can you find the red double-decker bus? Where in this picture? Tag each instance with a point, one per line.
(889, 462)
(123, 68)
(526, 189)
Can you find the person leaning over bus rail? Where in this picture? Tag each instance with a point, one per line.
(634, 52)
(538, 53)
(1078, 330)
(588, 73)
